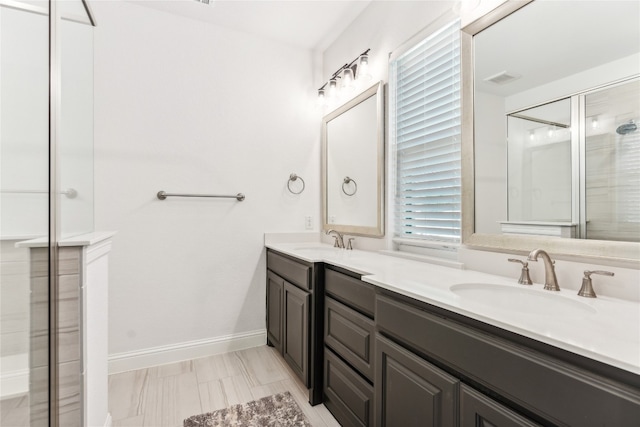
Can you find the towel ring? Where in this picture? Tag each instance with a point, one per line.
(293, 177)
(348, 180)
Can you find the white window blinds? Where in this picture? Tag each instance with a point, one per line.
(425, 126)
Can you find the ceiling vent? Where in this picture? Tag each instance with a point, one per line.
(502, 77)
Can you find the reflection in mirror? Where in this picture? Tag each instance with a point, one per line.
(612, 155)
(543, 154)
(353, 165)
(539, 177)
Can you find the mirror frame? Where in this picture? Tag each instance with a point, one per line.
(627, 253)
(376, 90)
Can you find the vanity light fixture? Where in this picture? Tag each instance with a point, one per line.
(350, 73)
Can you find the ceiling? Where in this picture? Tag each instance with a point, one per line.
(310, 24)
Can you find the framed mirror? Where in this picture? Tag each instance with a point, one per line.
(551, 129)
(353, 165)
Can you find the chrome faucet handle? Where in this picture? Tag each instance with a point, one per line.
(524, 279)
(336, 244)
(349, 244)
(587, 285)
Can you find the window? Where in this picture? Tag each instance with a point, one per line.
(425, 130)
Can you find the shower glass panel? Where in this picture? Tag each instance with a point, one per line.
(612, 163)
(24, 213)
(539, 173)
(75, 131)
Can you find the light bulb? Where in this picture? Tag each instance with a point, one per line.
(347, 79)
(594, 123)
(363, 69)
(322, 99)
(333, 88)
(532, 135)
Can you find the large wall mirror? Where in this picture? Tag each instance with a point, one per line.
(551, 128)
(353, 165)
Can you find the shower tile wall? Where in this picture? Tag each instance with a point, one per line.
(69, 353)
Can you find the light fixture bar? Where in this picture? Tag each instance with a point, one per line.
(350, 75)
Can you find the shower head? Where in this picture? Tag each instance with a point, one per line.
(626, 128)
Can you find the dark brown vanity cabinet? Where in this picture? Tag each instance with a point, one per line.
(529, 383)
(294, 316)
(349, 357)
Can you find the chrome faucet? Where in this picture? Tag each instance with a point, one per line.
(339, 240)
(550, 279)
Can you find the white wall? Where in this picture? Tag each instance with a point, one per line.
(185, 106)
(383, 27)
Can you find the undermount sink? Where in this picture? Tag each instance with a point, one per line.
(520, 299)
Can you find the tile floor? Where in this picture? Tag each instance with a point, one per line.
(14, 411)
(166, 395)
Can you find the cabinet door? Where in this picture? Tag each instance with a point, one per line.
(275, 289)
(296, 330)
(477, 410)
(412, 392)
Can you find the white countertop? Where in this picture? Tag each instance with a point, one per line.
(604, 329)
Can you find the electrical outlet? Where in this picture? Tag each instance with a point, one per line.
(332, 219)
(308, 222)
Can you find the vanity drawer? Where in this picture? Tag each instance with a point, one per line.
(294, 272)
(555, 390)
(347, 396)
(351, 335)
(352, 292)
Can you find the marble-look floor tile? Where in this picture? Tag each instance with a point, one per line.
(217, 366)
(212, 396)
(129, 422)
(126, 394)
(170, 400)
(261, 366)
(14, 411)
(166, 395)
(171, 369)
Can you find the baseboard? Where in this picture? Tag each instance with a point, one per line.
(130, 361)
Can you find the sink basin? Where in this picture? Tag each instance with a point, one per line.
(521, 300)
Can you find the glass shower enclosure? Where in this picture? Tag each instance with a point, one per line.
(573, 164)
(46, 195)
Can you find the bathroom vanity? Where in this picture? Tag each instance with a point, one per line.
(410, 343)
(294, 289)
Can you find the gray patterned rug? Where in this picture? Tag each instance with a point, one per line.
(279, 410)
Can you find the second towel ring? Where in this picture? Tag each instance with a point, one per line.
(293, 177)
(348, 180)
